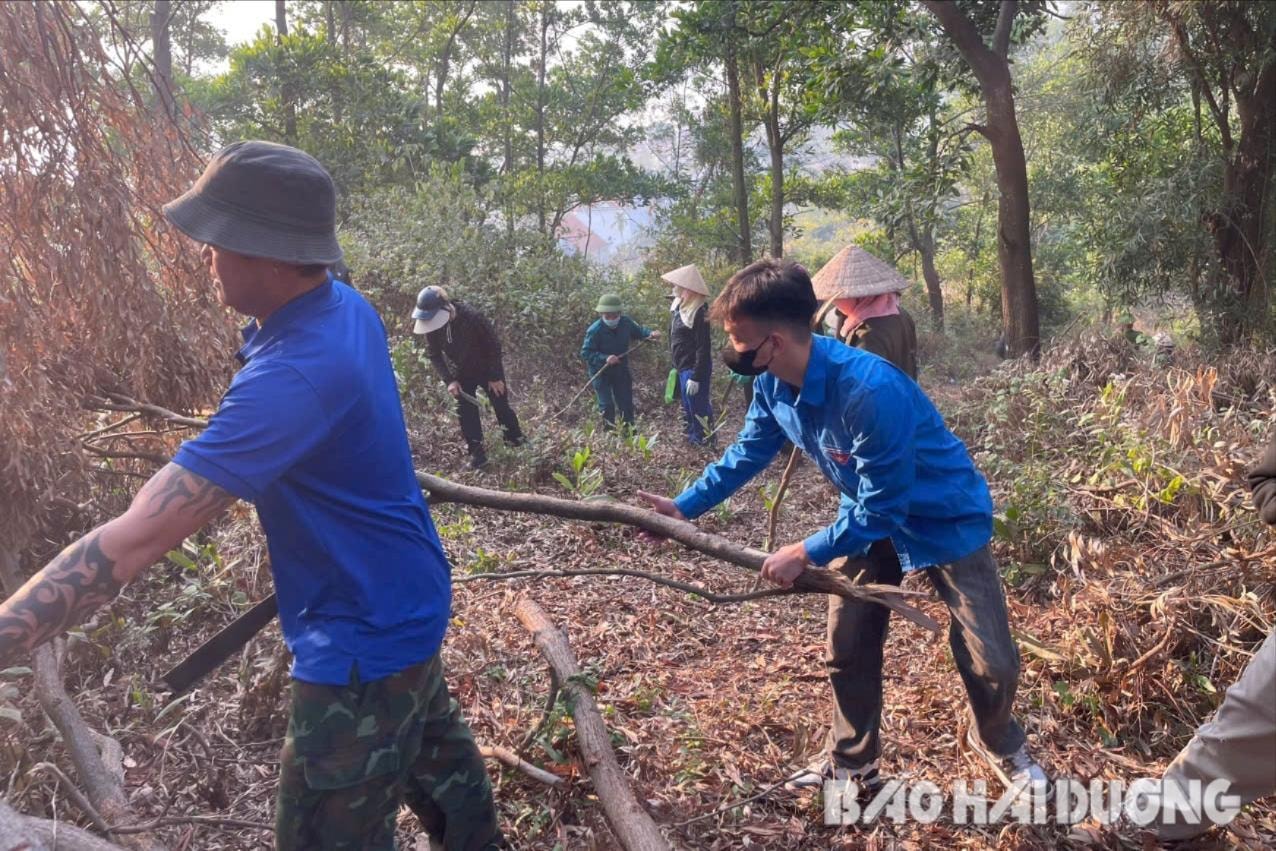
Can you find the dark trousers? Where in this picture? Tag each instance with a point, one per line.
(696, 410)
(472, 424)
(354, 753)
(614, 387)
(979, 635)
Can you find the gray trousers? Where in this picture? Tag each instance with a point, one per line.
(1238, 744)
(979, 634)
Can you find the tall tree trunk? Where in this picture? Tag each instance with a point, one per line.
(934, 292)
(445, 58)
(744, 242)
(345, 26)
(1014, 243)
(330, 33)
(542, 62)
(922, 239)
(286, 88)
(507, 167)
(775, 142)
(1240, 226)
(161, 20)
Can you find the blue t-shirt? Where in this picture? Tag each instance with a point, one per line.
(311, 432)
(876, 436)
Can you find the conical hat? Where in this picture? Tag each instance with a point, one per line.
(687, 277)
(854, 273)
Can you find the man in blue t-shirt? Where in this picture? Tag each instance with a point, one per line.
(311, 432)
(911, 499)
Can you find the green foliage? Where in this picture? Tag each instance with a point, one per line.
(585, 481)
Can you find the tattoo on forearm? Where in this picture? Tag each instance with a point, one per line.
(82, 578)
(58, 597)
(192, 493)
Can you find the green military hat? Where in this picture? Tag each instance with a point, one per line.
(608, 303)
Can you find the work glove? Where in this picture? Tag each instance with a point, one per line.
(693, 387)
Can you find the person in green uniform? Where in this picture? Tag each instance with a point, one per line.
(605, 352)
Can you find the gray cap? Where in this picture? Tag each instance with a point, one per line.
(264, 200)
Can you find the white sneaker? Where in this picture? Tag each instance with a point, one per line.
(1017, 770)
(822, 769)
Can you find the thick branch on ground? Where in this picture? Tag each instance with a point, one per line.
(30, 833)
(102, 785)
(633, 827)
(812, 580)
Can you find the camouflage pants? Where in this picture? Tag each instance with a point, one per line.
(354, 753)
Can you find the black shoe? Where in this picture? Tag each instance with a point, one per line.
(516, 440)
(478, 460)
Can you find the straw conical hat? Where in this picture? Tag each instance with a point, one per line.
(854, 273)
(687, 277)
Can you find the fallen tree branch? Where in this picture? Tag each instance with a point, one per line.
(633, 826)
(119, 402)
(31, 833)
(622, 571)
(169, 821)
(811, 580)
(505, 756)
(73, 791)
(101, 786)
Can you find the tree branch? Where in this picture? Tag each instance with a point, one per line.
(967, 40)
(507, 757)
(634, 828)
(812, 580)
(1180, 35)
(620, 571)
(1005, 24)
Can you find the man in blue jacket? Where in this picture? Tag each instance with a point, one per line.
(311, 432)
(911, 500)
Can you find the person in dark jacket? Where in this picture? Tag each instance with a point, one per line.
(690, 347)
(605, 352)
(1238, 745)
(466, 352)
(866, 291)
(887, 330)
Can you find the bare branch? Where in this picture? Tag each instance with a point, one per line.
(813, 580)
(1005, 23)
(620, 571)
(505, 756)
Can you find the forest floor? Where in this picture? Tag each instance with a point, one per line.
(1129, 590)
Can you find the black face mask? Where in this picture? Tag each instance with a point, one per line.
(741, 363)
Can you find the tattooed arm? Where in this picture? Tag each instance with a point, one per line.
(175, 503)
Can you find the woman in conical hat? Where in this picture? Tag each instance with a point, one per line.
(690, 347)
(865, 291)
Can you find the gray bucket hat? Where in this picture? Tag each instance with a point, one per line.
(264, 200)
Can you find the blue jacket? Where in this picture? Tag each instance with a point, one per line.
(601, 341)
(876, 436)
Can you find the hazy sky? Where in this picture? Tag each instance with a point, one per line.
(240, 19)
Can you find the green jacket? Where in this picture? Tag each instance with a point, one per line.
(601, 341)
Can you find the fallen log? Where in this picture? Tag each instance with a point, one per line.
(811, 581)
(31, 833)
(634, 828)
